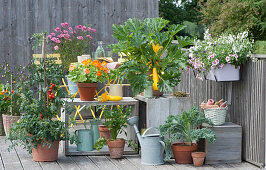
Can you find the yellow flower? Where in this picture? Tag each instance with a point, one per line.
(156, 48)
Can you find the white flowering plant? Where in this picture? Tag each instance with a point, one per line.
(215, 52)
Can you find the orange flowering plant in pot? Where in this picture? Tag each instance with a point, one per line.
(87, 74)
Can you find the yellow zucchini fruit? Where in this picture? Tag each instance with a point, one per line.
(155, 79)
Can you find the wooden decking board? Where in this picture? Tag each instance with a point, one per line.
(243, 166)
(11, 161)
(135, 159)
(26, 160)
(123, 164)
(66, 163)
(1, 163)
(182, 166)
(166, 166)
(103, 163)
(84, 162)
(50, 165)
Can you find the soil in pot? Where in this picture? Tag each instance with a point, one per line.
(198, 158)
(157, 93)
(104, 132)
(87, 91)
(8, 121)
(45, 154)
(116, 148)
(182, 152)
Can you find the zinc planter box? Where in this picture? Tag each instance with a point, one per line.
(227, 73)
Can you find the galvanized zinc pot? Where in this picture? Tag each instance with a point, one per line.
(152, 149)
(85, 140)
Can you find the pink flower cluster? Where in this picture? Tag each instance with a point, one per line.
(67, 33)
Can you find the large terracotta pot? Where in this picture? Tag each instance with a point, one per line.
(2, 130)
(45, 154)
(182, 153)
(8, 121)
(87, 91)
(104, 132)
(116, 148)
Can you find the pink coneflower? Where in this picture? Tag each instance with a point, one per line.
(57, 29)
(79, 27)
(66, 24)
(94, 30)
(56, 47)
(70, 28)
(89, 28)
(212, 56)
(53, 34)
(84, 28)
(80, 38)
(89, 36)
(63, 25)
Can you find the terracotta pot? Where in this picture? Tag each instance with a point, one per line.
(116, 148)
(45, 154)
(104, 132)
(182, 153)
(8, 121)
(87, 91)
(198, 158)
(157, 93)
(2, 130)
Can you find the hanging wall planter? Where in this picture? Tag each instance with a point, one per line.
(228, 73)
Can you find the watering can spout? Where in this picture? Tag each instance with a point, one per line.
(133, 122)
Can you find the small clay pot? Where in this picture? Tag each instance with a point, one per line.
(8, 121)
(116, 148)
(45, 154)
(104, 132)
(157, 93)
(198, 158)
(87, 91)
(182, 152)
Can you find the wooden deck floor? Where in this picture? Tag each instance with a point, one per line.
(20, 159)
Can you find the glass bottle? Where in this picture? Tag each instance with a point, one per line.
(99, 51)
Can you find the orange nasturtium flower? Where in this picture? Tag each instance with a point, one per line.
(87, 71)
(95, 62)
(104, 63)
(156, 48)
(99, 73)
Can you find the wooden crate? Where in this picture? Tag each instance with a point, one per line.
(154, 111)
(228, 144)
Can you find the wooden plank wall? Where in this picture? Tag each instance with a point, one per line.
(247, 107)
(19, 19)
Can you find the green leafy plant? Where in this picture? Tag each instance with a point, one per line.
(88, 72)
(184, 127)
(116, 121)
(148, 47)
(37, 125)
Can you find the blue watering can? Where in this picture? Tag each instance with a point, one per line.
(152, 145)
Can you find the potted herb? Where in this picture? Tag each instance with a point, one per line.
(87, 74)
(116, 122)
(219, 58)
(4, 103)
(71, 42)
(184, 127)
(37, 131)
(152, 59)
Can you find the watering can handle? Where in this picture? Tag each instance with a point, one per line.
(147, 130)
(163, 145)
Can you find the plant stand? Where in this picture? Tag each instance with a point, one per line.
(131, 135)
(154, 111)
(228, 144)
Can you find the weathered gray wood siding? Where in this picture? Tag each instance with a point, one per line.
(247, 107)
(19, 19)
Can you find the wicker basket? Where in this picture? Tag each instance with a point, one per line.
(216, 114)
(2, 130)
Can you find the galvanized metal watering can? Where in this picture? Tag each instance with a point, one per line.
(152, 146)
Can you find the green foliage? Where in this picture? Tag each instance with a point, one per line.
(116, 121)
(260, 47)
(137, 40)
(185, 127)
(235, 16)
(36, 125)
